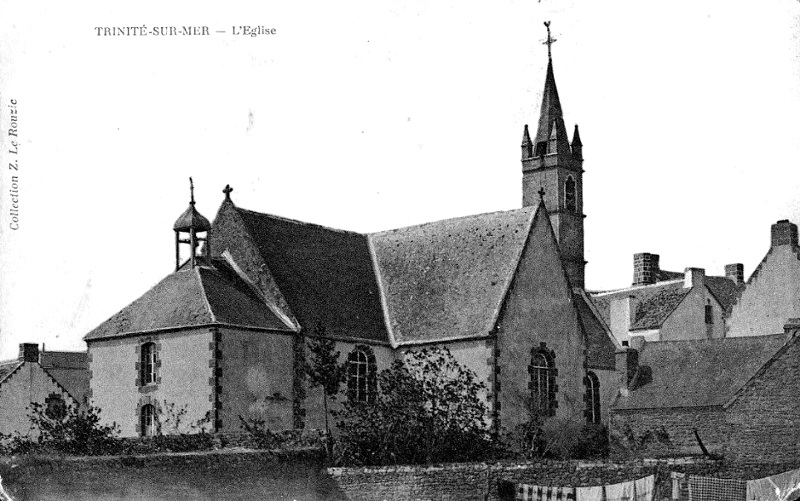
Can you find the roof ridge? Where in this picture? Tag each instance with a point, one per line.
(297, 221)
(457, 218)
(206, 302)
(387, 320)
(11, 372)
(785, 346)
(716, 339)
(638, 287)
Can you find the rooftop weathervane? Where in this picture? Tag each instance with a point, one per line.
(550, 40)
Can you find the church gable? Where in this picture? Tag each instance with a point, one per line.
(540, 342)
(446, 280)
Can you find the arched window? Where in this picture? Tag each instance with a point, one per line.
(570, 195)
(543, 382)
(361, 378)
(148, 420)
(147, 364)
(592, 398)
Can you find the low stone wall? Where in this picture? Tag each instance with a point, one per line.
(482, 481)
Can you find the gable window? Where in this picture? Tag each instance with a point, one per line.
(55, 408)
(361, 377)
(148, 420)
(592, 398)
(570, 195)
(147, 364)
(543, 382)
(709, 313)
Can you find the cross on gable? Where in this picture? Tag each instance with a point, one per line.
(227, 191)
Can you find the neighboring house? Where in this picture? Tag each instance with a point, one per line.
(225, 335)
(56, 379)
(665, 306)
(740, 396)
(773, 290)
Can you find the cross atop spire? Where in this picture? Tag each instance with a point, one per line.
(191, 190)
(550, 40)
(227, 191)
(541, 193)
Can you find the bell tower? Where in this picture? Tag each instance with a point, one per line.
(187, 231)
(550, 162)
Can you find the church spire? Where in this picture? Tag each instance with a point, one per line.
(190, 222)
(551, 163)
(551, 119)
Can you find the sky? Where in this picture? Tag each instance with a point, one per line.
(368, 116)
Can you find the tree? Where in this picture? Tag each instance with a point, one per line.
(74, 431)
(429, 409)
(324, 369)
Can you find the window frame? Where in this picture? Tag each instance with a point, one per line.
(592, 398)
(361, 375)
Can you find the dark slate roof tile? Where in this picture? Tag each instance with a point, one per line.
(725, 290)
(326, 275)
(696, 373)
(188, 298)
(654, 308)
(447, 279)
(600, 349)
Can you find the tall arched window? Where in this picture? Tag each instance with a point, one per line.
(148, 420)
(361, 377)
(592, 398)
(570, 195)
(542, 385)
(147, 364)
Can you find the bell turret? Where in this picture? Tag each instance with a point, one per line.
(187, 229)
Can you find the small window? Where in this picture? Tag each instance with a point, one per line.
(592, 398)
(541, 148)
(361, 377)
(570, 195)
(709, 313)
(148, 420)
(56, 407)
(148, 364)
(543, 387)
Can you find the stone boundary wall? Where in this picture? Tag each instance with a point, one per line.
(494, 481)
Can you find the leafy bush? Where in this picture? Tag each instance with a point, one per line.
(429, 409)
(262, 436)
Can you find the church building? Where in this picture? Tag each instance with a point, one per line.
(226, 334)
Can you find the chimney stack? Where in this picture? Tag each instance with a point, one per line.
(735, 272)
(627, 363)
(29, 352)
(694, 277)
(645, 268)
(784, 233)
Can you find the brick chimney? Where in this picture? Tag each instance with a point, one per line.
(645, 268)
(29, 352)
(735, 272)
(784, 233)
(694, 277)
(627, 363)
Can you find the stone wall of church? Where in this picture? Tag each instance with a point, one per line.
(254, 378)
(772, 295)
(539, 314)
(183, 378)
(314, 405)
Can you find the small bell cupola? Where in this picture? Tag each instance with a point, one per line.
(187, 231)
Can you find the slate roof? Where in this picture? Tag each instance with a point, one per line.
(70, 369)
(7, 367)
(188, 298)
(448, 278)
(326, 275)
(697, 373)
(654, 303)
(725, 290)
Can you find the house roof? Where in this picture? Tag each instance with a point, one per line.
(654, 303)
(7, 367)
(725, 290)
(188, 298)
(697, 373)
(448, 278)
(70, 369)
(326, 275)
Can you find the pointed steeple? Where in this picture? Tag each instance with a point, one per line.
(527, 145)
(551, 120)
(577, 145)
(191, 222)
